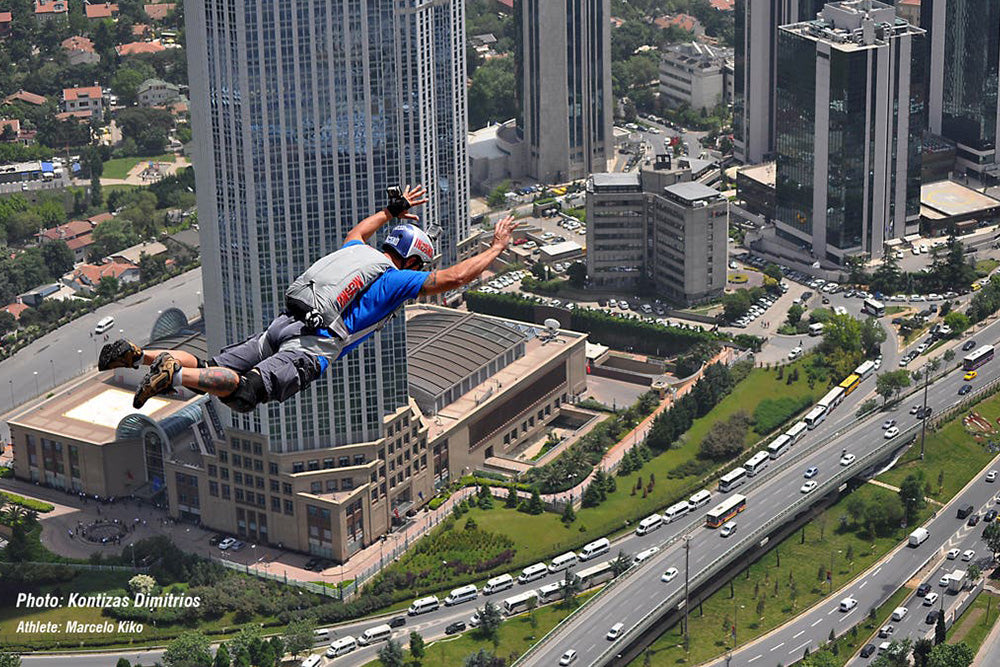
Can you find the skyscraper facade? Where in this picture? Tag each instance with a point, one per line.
(754, 85)
(964, 47)
(565, 69)
(849, 118)
(304, 111)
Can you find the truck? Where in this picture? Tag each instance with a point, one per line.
(816, 329)
(918, 537)
(956, 581)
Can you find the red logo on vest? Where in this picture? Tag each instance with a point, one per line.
(424, 247)
(350, 291)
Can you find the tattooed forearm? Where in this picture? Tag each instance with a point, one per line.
(218, 381)
(432, 279)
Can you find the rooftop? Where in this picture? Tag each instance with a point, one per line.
(50, 7)
(78, 43)
(103, 10)
(25, 96)
(561, 247)
(91, 92)
(765, 173)
(134, 48)
(158, 11)
(606, 180)
(854, 25)
(947, 199)
(692, 191)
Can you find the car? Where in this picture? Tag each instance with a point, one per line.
(847, 459)
(867, 651)
(811, 472)
(311, 564)
(669, 575)
(964, 389)
(990, 516)
(568, 658)
(215, 539)
(826, 301)
(923, 413)
(931, 598)
(397, 622)
(973, 520)
(809, 486)
(952, 554)
(991, 476)
(914, 409)
(227, 543)
(944, 581)
(888, 423)
(878, 363)
(615, 631)
(968, 555)
(931, 617)
(891, 433)
(971, 375)
(728, 529)
(453, 628)
(847, 604)
(886, 630)
(923, 589)
(237, 545)
(968, 345)
(475, 620)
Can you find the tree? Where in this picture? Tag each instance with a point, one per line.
(109, 237)
(418, 648)
(222, 658)
(951, 655)
(298, 637)
(891, 383)
(872, 336)
(577, 273)
(483, 658)
(621, 563)
(127, 79)
(958, 321)
(568, 515)
(497, 196)
(489, 95)
(535, 505)
(391, 655)
(736, 304)
(142, 583)
(9, 659)
(795, 314)
(725, 439)
(911, 493)
(191, 649)
(940, 631)
(489, 622)
(774, 271)
(58, 257)
(570, 588)
(921, 650)
(511, 500)
(108, 287)
(991, 535)
(96, 196)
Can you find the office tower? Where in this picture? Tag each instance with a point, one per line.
(964, 54)
(657, 229)
(850, 111)
(303, 112)
(754, 86)
(565, 67)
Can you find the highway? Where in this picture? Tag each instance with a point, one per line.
(639, 594)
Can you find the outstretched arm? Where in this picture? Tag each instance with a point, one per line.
(443, 280)
(364, 229)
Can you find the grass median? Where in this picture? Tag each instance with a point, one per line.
(973, 626)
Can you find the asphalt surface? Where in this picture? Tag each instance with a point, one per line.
(640, 593)
(64, 353)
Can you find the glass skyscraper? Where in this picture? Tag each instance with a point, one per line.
(849, 118)
(964, 61)
(304, 111)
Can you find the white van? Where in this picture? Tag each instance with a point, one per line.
(595, 548)
(532, 572)
(643, 555)
(649, 524)
(104, 324)
(379, 633)
(321, 635)
(497, 584)
(676, 511)
(563, 562)
(423, 605)
(699, 499)
(312, 661)
(461, 594)
(342, 646)
(848, 604)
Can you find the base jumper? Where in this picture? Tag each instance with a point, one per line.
(334, 306)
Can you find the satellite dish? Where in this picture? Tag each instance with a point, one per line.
(552, 325)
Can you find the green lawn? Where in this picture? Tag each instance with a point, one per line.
(987, 609)
(985, 266)
(119, 167)
(516, 635)
(792, 565)
(892, 310)
(951, 454)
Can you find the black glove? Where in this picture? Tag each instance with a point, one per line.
(398, 204)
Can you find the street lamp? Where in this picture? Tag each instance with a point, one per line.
(37, 390)
(53, 367)
(923, 413)
(132, 544)
(79, 354)
(10, 381)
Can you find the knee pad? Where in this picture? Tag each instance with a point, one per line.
(250, 393)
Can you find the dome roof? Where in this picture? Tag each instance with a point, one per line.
(170, 322)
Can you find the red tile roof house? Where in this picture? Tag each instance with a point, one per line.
(15, 309)
(158, 12)
(683, 21)
(5, 21)
(86, 276)
(103, 10)
(46, 10)
(89, 98)
(25, 96)
(80, 50)
(134, 48)
(76, 234)
(21, 135)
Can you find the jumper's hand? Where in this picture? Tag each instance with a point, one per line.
(415, 197)
(502, 231)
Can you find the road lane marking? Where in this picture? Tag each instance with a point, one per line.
(800, 633)
(875, 573)
(863, 584)
(754, 658)
(778, 646)
(817, 622)
(831, 611)
(798, 648)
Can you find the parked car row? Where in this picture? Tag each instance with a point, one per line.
(756, 310)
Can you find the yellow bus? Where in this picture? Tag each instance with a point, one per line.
(850, 383)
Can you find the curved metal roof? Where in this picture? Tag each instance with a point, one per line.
(170, 322)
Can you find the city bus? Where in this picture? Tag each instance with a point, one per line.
(978, 357)
(756, 463)
(779, 446)
(732, 479)
(725, 511)
(865, 370)
(596, 575)
(815, 417)
(517, 604)
(797, 431)
(873, 307)
(832, 398)
(850, 383)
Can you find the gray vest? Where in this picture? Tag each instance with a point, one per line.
(329, 286)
